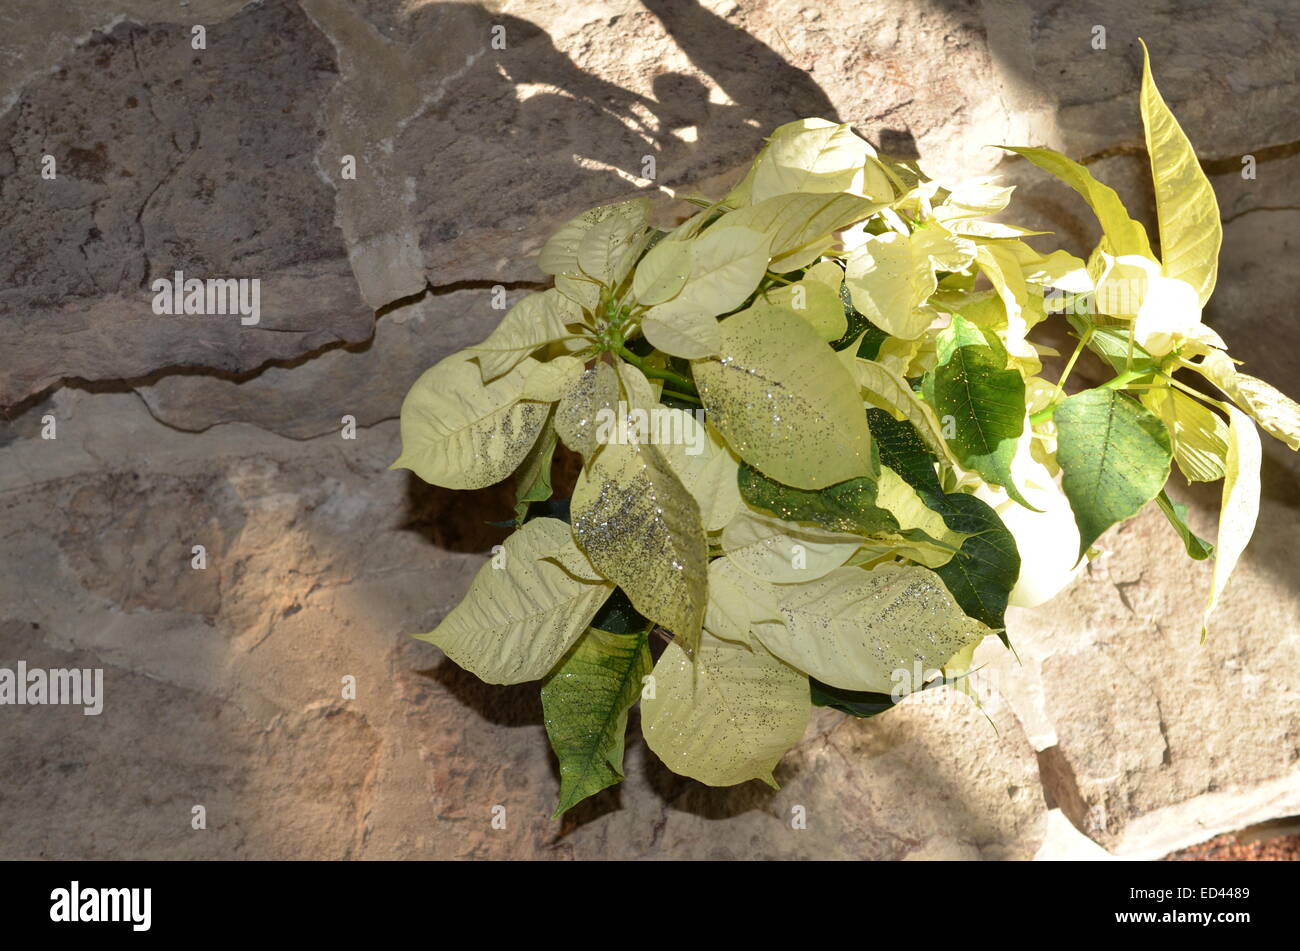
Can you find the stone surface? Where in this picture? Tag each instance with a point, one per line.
(1152, 740)
(310, 397)
(170, 158)
(319, 562)
(183, 431)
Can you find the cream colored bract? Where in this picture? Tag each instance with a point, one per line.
(818, 444)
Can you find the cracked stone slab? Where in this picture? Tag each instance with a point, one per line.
(1083, 100)
(468, 154)
(33, 40)
(366, 382)
(170, 158)
(1151, 740)
(477, 150)
(320, 562)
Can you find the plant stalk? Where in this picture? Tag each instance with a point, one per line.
(685, 386)
(1118, 383)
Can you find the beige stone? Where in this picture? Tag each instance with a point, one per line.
(225, 685)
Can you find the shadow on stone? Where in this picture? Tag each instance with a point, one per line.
(517, 705)
(458, 520)
(688, 795)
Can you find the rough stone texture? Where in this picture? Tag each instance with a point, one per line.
(1154, 741)
(170, 158)
(318, 563)
(309, 397)
(195, 430)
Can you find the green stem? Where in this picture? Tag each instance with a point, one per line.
(1118, 383)
(1124, 379)
(1074, 358)
(1209, 400)
(682, 396)
(668, 376)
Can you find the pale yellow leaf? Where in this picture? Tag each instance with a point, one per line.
(683, 329)
(1240, 507)
(549, 381)
(591, 396)
(725, 715)
(895, 354)
(523, 609)
(800, 258)
(810, 155)
(1277, 413)
(1190, 231)
(726, 266)
(460, 433)
(780, 552)
(814, 301)
(663, 272)
(1001, 267)
(736, 601)
(974, 198)
(536, 320)
(881, 279)
(607, 251)
(581, 290)
(891, 276)
(853, 628)
(636, 388)
(642, 529)
(703, 464)
(937, 249)
(783, 401)
(560, 253)
(796, 222)
(978, 228)
(1198, 434)
(828, 273)
(1059, 269)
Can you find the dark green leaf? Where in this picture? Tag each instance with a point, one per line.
(533, 478)
(972, 383)
(1176, 512)
(902, 449)
(617, 616)
(862, 703)
(985, 569)
(1114, 456)
(844, 507)
(858, 703)
(585, 701)
(858, 326)
(982, 573)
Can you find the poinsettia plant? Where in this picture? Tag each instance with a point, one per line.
(816, 445)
